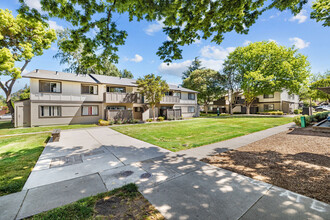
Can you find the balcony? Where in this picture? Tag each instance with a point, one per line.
(117, 97)
(242, 101)
(170, 100)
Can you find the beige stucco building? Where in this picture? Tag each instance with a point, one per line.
(67, 98)
(282, 101)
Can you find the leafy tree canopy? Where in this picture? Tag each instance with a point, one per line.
(208, 83)
(321, 11)
(153, 89)
(195, 65)
(184, 22)
(126, 74)
(20, 40)
(265, 68)
(324, 81)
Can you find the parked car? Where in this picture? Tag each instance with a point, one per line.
(5, 116)
(322, 108)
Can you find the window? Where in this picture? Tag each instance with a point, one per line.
(191, 96)
(170, 93)
(191, 109)
(50, 111)
(269, 107)
(90, 110)
(116, 89)
(47, 86)
(89, 89)
(267, 96)
(116, 107)
(137, 109)
(177, 94)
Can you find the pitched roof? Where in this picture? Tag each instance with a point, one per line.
(91, 78)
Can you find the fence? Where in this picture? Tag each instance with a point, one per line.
(119, 114)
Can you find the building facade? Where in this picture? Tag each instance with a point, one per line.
(66, 98)
(281, 101)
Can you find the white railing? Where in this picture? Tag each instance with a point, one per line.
(170, 100)
(118, 97)
(60, 97)
(183, 101)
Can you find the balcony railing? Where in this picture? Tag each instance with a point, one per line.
(242, 101)
(117, 97)
(170, 100)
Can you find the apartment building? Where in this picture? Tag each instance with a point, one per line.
(282, 101)
(67, 98)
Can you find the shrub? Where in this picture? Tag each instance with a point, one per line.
(103, 122)
(111, 122)
(135, 121)
(118, 122)
(224, 114)
(149, 120)
(160, 118)
(297, 111)
(236, 113)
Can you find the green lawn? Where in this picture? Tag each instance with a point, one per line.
(7, 128)
(18, 155)
(181, 135)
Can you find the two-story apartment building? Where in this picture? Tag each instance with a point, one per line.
(67, 98)
(282, 101)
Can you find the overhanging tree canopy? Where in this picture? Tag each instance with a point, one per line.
(184, 22)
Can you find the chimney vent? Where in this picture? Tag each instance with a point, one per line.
(56, 72)
(37, 70)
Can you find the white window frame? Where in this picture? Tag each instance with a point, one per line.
(85, 110)
(189, 109)
(58, 86)
(193, 94)
(50, 111)
(94, 87)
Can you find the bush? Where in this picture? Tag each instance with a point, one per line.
(149, 120)
(297, 111)
(118, 122)
(103, 122)
(160, 118)
(313, 118)
(236, 113)
(111, 122)
(135, 121)
(224, 114)
(271, 113)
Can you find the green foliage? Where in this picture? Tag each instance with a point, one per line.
(21, 94)
(149, 120)
(208, 83)
(312, 118)
(184, 22)
(321, 11)
(20, 40)
(271, 113)
(196, 64)
(297, 111)
(126, 74)
(160, 118)
(265, 68)
(153, 89)
(324, 81)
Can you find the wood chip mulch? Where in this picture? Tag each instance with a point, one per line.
(297, 160)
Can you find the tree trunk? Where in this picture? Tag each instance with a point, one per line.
(248, 108)
(206, 108)
(310, 106)
(153, 112)
(11, 110)
(230, 102)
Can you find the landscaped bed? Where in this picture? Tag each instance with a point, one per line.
(297, 160)
(18, 155)
(122, 203)
(181, 135)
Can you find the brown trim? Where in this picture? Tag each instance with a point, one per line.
(39, 111)
(268, 102)
(50, 81)
(60, 80)
(98, 110)
(86, 84)
(60, 102)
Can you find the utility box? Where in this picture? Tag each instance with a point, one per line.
(306, 111)
(303, 121)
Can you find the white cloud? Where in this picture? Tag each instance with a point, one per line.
(33, 4)
(301, 17)
(54, 25)
(137, 58)
(246, 42)
(175, 69)
(216, 52)
(155, 27)
(272, 40)
(299, 43)
(212, 64)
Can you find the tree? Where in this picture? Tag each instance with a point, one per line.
(208, 83)
(184, 22)
(321, 11)
(126, 74)
(195, 65)
(21, 94)
(265, 68)
(20, 39)
(153, 88)
(231, 82)
(324, 81)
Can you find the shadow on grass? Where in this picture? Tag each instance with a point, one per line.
(304, 173)
(15, 168)
(5, 124)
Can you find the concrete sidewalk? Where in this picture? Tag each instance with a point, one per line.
(89, 161)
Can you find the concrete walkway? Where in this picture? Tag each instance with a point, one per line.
(89, 161)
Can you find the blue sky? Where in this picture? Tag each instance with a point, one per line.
(139, 53)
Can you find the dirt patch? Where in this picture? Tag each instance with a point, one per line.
(121, 206)
(297, 160)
